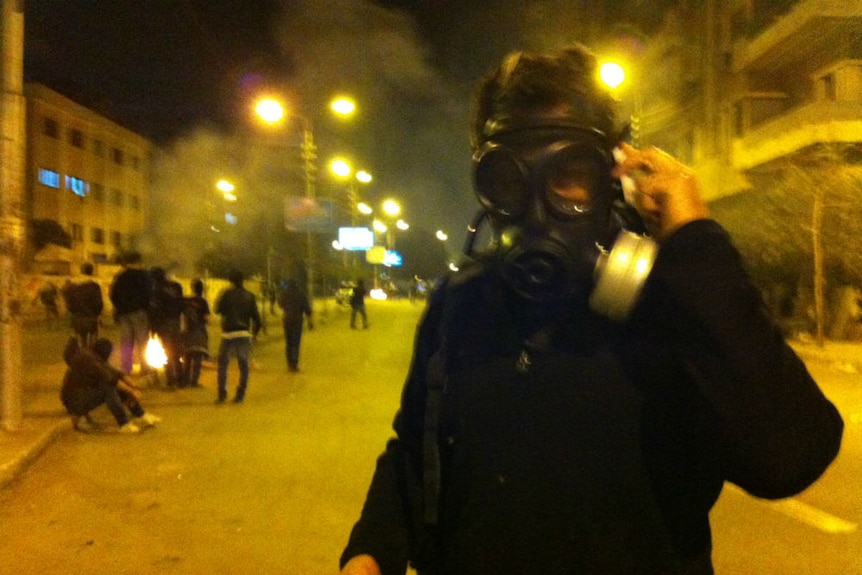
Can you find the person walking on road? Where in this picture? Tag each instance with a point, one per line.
(295, 306)
(195, 338)
(357, 304)
(85, 304)
(131, 294)
(91, 381)
(240, 322)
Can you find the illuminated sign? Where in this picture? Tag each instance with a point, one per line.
(356, 239)
(392, 259)
(303, 214)
(375, 255)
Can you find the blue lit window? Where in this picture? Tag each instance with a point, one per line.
(49, 178)
(77, 186)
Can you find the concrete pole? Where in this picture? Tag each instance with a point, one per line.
(12, 114)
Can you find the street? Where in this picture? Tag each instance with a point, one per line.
(274, 485)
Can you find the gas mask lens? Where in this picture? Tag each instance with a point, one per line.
(501, 182)
(572, 180)
(567, 176)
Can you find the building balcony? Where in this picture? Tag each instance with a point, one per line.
(810, 34)
(814, 123)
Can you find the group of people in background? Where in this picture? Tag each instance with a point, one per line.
(146, 302)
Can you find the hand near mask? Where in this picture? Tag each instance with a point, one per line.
(666, 193)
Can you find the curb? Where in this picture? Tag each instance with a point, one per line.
(11, 470)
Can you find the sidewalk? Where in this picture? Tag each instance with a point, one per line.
(45, 418)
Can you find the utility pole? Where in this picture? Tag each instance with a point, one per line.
(12, 113)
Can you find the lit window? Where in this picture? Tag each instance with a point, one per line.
(77, 186)
(49, 178)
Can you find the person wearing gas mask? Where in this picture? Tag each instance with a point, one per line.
(570, 407)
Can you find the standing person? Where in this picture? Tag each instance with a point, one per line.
(294, 304)
(196, 339)
(536, 435)
(85, 304)
(130, 295)
(91, 381)
(357, 304)
(165, 314)
(48, 297)
(240, 322)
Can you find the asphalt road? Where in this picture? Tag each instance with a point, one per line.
(269, 486)
(274, 485)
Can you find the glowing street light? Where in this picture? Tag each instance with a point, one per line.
(269, 110)
(343, 106)
(364, 208)
(391, 208)
(402, 225)
(340, 168)
(363, 177)
(612, 74)
(441, 235)
(379, 226)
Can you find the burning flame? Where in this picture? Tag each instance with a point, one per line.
(155, 353)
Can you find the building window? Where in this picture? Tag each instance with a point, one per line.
(77, 186)
(117, 197)
(117, 156)
(99, 148)
(97, 192)
(135, 202)
(49, 178)
(77, 232)
(76, 138)
(97, 235)
(51, 128)
(116, 238)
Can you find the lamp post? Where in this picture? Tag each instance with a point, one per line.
(613, 75)
(272, 112)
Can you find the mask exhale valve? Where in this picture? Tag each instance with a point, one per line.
(621, 274)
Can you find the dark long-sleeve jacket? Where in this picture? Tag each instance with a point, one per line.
(594, 447)
(238, 310)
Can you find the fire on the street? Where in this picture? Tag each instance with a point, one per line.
(155, 353)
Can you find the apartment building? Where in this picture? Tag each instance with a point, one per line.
(731, 86)
(87, 173)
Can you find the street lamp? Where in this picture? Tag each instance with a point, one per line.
(613, 75)
(272, 112)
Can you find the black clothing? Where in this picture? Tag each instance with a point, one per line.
(575, 445)
(85, 304)
(195, 338)
(238, 308)
(91, 381)
(131, 291)
(165, 313)
(294, 304)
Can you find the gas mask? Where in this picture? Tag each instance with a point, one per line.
(546, 189)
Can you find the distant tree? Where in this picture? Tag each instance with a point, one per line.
(804, 218)
(44, 232)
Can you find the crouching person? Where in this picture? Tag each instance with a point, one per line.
(91, 381)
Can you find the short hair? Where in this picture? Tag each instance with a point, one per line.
(526, 84)
(236, 278)
(87, 268)
(197, 286)
(103, 348)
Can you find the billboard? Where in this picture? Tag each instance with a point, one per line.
(302, 214)
(356, 239)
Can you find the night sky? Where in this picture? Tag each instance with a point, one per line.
(170, 69)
